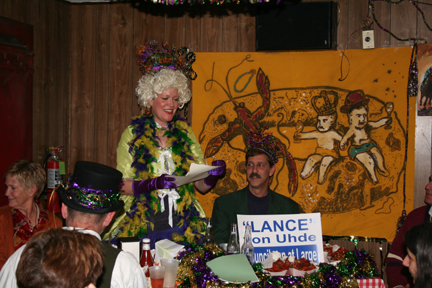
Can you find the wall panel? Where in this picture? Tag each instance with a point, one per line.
(230, 30)
(41, 113)
(102, 80)
(357, 11)
(211, 30)
(85, 70)
(403, 22)
(54, 81)
(422, 30)
(146, 27)
(83, 100)
(5, 9)
(175, 29)
(246, 29)
(193, 28)
(383, 15)
(121, 84)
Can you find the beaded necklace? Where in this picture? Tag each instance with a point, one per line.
(144, 146)
(23, 229)
(26, 221)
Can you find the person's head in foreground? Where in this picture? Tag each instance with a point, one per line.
(418, 241)
(59, 258)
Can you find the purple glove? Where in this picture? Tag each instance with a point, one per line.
(215, 174)
(161, 182)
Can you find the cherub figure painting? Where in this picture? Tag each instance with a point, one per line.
(363, 148)
(327, 150)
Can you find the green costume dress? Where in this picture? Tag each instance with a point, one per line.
(139, 157)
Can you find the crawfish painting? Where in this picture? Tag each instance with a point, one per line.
(247, 122)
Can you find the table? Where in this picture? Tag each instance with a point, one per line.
(374, 282)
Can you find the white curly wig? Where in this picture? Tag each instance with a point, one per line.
(150, 85)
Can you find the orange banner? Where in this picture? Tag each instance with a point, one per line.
(349, 159)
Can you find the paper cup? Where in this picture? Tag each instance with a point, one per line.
(157, 276)
(171, 266)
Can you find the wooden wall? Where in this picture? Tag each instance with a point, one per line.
(51, 64)
(85, 72)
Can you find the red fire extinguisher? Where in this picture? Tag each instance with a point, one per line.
(54, 166)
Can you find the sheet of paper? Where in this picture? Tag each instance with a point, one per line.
(196, 172)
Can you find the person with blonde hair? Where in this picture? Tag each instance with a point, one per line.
(157, 145)
(59, 258)
(24, 215)
(151, 85)
(90, 198)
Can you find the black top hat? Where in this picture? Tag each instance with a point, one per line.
(93, 188)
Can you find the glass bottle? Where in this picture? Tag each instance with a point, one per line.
(233, 245)
(146, 257)
(208, 238)
(247, 247)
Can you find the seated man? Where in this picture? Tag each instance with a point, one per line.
(256, 198)
(397, 274)
(90, 199)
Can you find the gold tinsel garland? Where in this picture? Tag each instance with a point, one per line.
(193, 271)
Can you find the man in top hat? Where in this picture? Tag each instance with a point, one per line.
(325, 135)
(257, 198)
(363, 148)
(90, 199)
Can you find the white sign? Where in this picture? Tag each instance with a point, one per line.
(298, 235)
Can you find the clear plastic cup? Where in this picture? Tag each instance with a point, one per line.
(171, 266)
(157, 276)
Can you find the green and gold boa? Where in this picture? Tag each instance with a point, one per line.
(144, 146)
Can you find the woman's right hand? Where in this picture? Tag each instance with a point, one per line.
(162, 182)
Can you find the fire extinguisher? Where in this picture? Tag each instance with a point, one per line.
(55, 168)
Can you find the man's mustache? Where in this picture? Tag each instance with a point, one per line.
(255, 175)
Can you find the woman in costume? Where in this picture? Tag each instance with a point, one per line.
(156, 145)
(24, 216)
(418, 241)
